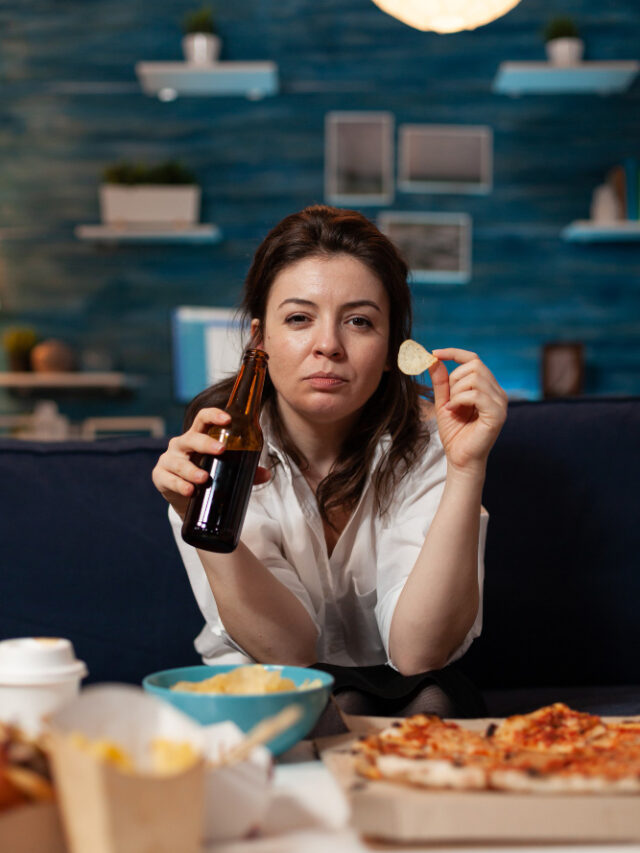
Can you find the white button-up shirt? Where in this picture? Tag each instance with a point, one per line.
(351, 594)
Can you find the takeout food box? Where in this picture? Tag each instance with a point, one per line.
(107, 810)
(31, 827)
(29, 818)
(237, 795)
(401, 813)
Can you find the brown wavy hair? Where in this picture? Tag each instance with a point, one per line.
(394, 408)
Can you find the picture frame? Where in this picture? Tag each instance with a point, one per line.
(359, 156)
(435, 246)
(206, 346)
(562, 369)
(439, 158)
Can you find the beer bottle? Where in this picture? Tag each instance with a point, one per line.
(217, 508)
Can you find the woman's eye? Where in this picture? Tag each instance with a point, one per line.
(296, 319)
(360, 322)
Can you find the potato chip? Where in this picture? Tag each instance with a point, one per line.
(413, 358)
(170, 756)
(241, 680)
(104, 750)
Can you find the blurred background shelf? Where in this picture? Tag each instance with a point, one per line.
(76, 382)
(585, 231)
(168, 80)
(206, 233)
(521, 78)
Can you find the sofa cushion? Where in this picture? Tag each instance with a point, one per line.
(620, 700)
(87, 553)
(562, 593)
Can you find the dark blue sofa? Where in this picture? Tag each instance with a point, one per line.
(87, 553)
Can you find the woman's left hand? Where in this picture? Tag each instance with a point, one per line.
(470, 409)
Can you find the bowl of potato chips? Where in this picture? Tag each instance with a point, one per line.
(246, 695)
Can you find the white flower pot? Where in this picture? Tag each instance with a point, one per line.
(201, 48)
(565, 51)
(150, 203)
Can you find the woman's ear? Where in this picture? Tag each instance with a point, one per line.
(256, 333)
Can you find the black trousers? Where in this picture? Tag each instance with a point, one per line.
(383, 691)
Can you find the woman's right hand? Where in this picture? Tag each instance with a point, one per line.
(176, 475)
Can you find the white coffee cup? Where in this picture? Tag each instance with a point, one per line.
(38, 675)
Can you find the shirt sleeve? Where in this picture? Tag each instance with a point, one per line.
(404, 533)
(261, 534)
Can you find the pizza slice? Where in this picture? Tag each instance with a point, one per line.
(553, 729)
(428, 752)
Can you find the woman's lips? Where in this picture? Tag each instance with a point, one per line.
(324, 381)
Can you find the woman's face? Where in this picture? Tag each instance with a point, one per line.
(326, 331)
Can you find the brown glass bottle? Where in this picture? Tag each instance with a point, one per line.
(217, 508)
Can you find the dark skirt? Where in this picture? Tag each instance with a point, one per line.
(389, 691)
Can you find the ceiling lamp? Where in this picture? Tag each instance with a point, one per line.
(446, 16)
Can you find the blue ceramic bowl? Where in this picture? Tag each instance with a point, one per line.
(247, 710)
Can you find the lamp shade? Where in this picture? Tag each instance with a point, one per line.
(446, 16)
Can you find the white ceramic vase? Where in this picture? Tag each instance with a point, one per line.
(178, 205)
(605, 207)
(565, 51)
(201, 48)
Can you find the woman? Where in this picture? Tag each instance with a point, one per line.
(362, 549)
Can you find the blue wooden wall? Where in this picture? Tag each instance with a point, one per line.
(70, 103)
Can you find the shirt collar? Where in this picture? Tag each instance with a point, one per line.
(291, 470)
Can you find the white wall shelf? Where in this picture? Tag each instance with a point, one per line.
(205, 233)
(586, 231)
(168, 80)
(604, 78)
(78, 381)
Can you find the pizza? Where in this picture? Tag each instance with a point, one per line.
(553, 749)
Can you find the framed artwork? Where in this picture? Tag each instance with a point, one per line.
(441, 158)
(359, 158)
(435, 246)
(207, 346)
(562, 369)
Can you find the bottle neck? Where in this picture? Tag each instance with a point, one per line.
(246, 396)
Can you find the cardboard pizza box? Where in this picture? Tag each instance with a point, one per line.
(30, 828)
(384, 811)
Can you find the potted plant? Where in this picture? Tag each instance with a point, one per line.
(132, 193)
(201, 42)
(18, 343)
(563, 43)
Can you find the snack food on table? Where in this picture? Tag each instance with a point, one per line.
(170, 756)
(413, 358)
(552, 750)
(167, 756)
(24, 769)
(251, 679)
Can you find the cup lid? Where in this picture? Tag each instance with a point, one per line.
(38, 660)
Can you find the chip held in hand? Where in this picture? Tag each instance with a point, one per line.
(413, 358)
